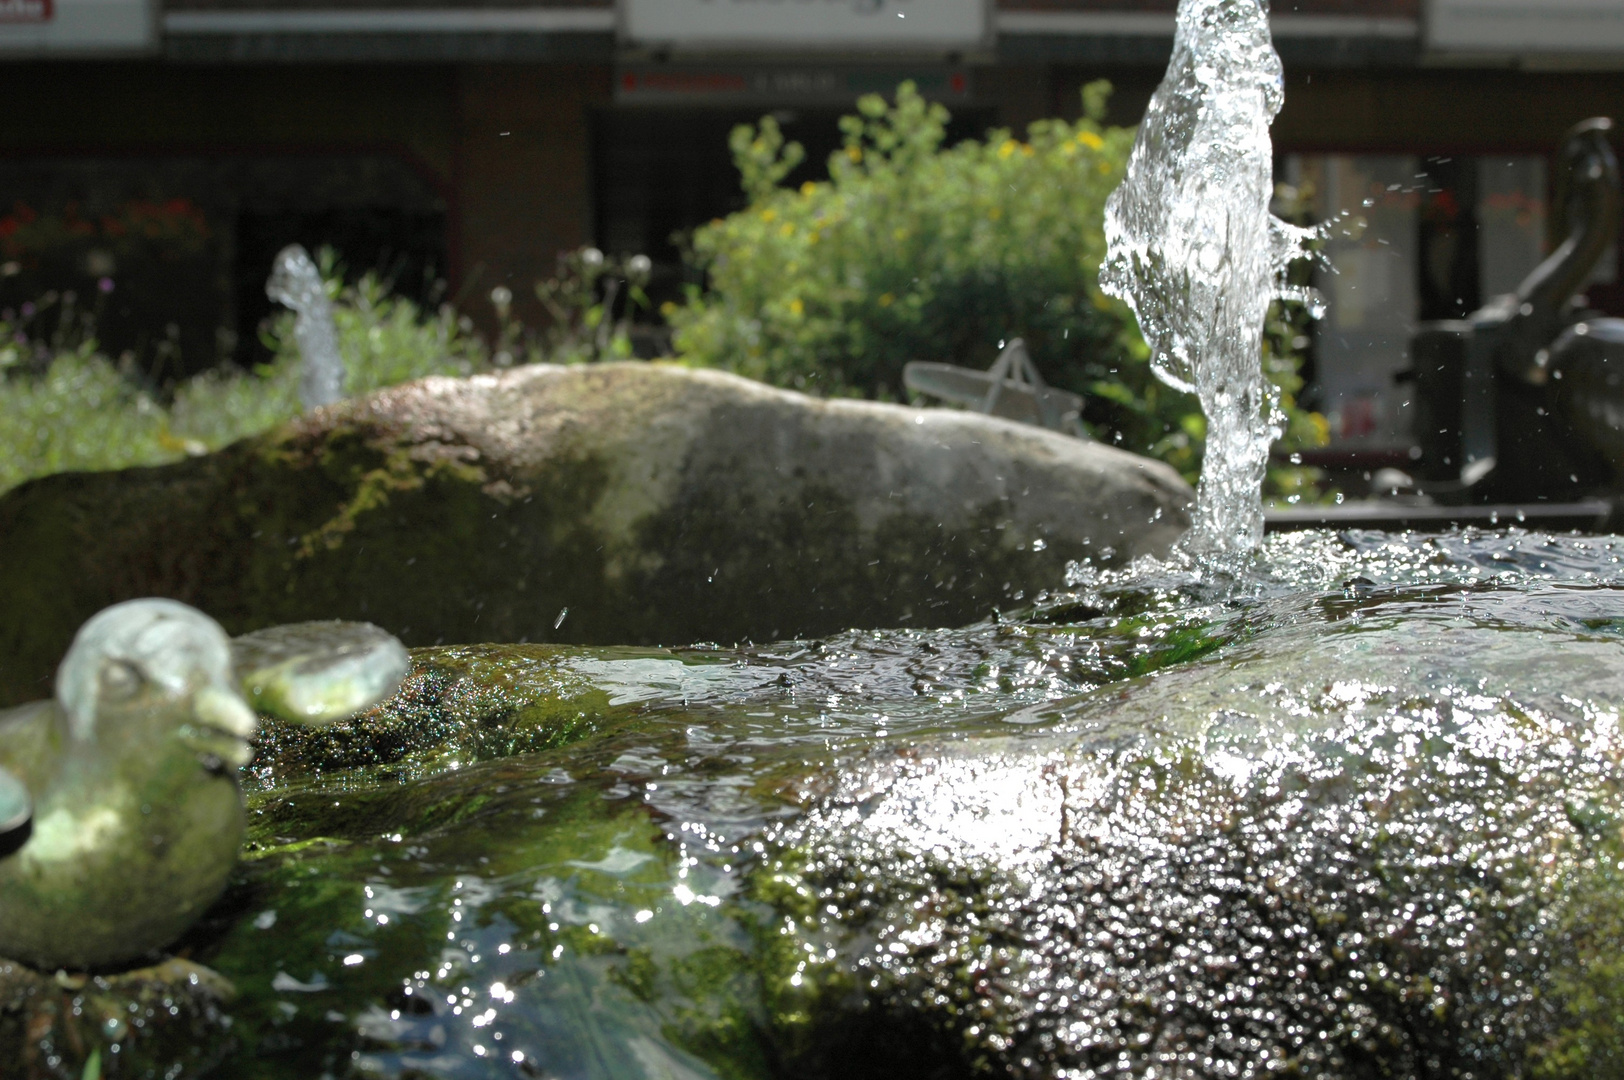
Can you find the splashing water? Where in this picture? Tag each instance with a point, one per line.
(1193, 249)
(296, 282)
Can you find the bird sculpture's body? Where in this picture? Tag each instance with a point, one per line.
(120, 813)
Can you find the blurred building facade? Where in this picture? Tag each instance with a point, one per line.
(156, 155)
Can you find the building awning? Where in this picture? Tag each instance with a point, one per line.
(219, 29)
(378, 33)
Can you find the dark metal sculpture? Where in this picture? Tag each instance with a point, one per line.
(1523, 400)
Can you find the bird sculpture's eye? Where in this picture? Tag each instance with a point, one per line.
(119, 679)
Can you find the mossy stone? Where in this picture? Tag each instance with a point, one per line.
(612, 504)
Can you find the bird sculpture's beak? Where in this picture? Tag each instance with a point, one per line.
(225, 726)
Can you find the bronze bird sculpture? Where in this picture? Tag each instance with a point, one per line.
(121, 817)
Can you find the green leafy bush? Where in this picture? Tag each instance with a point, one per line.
(80, 413)
(913, 250)
(65, 407)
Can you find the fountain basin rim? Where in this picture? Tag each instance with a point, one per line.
(1588, 515)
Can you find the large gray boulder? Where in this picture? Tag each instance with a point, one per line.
(621, 503)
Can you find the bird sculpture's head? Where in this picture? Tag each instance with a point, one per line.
(163, 661)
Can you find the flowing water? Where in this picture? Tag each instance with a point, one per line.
(1355, 814)
(295, 282)
(1193, 249)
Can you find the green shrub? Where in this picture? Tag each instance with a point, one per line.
(913, 250)
(80, 413)
(73, 409)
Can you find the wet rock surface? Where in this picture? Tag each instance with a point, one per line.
(1356, 817)
(77, 1025)
(612, 504)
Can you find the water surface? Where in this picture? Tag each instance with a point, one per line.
(1353, 811)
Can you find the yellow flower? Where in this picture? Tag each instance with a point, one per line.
(668, 309)
(1007, 149)
(809, 189)
(796, 308)
(855, 153)
(769, 216)
(886, 299)
(1090, 140)
(786, 230)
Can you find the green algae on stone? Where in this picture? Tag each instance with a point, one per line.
(462, 703)
(169, 1019)
(1586, 986)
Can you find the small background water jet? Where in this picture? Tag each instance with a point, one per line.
(1193, 249)
(295, 282)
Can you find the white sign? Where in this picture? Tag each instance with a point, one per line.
(1527, 26)
(896, 25)
(76, 27)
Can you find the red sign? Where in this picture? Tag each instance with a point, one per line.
(25, 11)
(682, 82)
